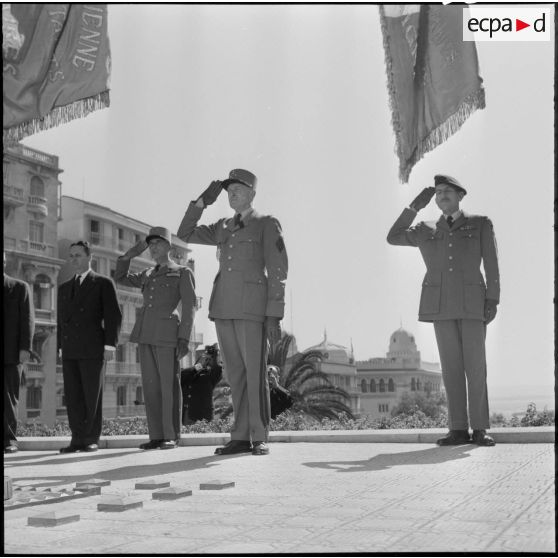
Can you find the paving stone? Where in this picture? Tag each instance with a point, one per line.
(51, 519)
(151, 484)
(90, 489)
(96, 482)
(216, 485)
(119, 503)
(171, 493)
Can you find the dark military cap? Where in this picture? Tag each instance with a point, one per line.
(450, 181)
(159, 232)
(240, 176)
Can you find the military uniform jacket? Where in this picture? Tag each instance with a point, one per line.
(453, 287)
(253, 265)
(159, 321)
(90, 319)
(18, 319)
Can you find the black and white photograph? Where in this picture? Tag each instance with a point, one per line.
(309, 248)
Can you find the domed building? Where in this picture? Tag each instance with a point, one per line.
(339, 364)
(382, 381)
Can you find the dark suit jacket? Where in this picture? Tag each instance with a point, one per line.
(90, 320)
(19, 319)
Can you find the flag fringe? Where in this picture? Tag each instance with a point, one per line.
(57, 116)
(392, 101)
(452, 124)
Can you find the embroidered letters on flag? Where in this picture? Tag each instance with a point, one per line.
(56, 65)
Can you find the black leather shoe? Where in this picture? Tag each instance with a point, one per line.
(71, 449)
(234, 446)
(260, 448)
(482, 439)
(455, 438)
(10, 449)
(152, 444)
(91, 447)
(167, 444)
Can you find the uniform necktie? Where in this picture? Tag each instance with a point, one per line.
(157, 268)
(237, 220)
(450, 221)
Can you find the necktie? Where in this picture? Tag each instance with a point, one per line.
(75, 286)
(450, 221)
(238, 220)
(157, 268)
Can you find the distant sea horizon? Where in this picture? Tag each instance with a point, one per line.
(515, 399)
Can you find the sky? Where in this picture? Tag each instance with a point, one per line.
(297, 94)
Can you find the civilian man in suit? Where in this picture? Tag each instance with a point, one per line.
(161, 332)
(19, 324)
(247, 302)
(89, 319)
(457, 299)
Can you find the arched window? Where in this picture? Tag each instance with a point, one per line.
(382, 385)
(42, 292)
(37, 187)
(391, 385)
(413, 385)
(363, 386)
(373, 386)
(121, 395)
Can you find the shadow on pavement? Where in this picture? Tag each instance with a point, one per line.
(128, 472)
(68, 458)
(428, 456)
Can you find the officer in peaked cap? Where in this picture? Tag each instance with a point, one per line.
(161, 332)
(247, 302)
(457, 299)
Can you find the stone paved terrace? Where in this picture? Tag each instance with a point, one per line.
(342, 494)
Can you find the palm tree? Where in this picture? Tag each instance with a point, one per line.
(312, 392)
(310, 388)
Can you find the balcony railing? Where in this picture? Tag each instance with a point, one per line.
(44, 158)
(38, 205)
(13, 196)
(131, 368)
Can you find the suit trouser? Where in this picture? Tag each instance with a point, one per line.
(160, 375)
(12, 379)
(461, 344)
(244, 358)
(83, 391)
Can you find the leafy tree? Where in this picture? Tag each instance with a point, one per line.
(431, 404)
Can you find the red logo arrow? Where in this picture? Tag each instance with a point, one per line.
(519, 25)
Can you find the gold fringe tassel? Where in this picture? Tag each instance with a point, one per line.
(57, 116)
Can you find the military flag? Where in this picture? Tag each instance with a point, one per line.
(433, 77)
(56, 65)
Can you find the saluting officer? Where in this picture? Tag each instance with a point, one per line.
(247, 302)
(457, 299)
(162, 333)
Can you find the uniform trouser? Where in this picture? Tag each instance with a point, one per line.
(242, 344)
(12, 379)
(461, 344)
(83, 391)
(160, 375)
